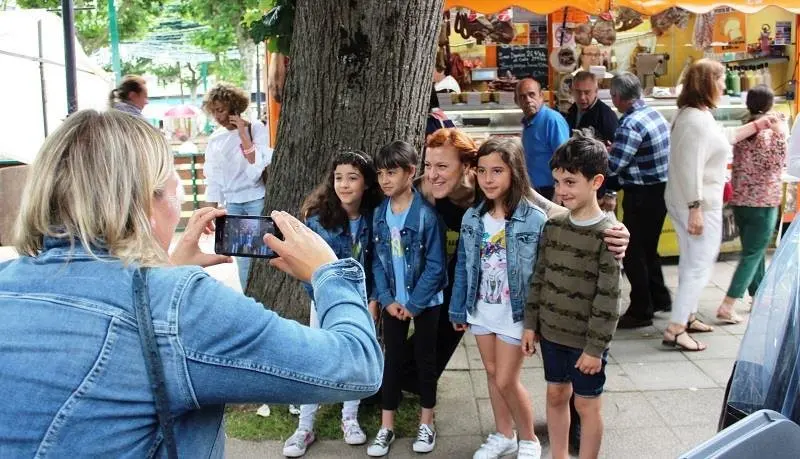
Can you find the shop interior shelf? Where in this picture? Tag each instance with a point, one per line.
(758, 60)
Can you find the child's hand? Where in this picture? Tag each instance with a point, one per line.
(588, 365)
(373, 309)
(460, 327)
(395, 310)
(529, 340)
(405, 314)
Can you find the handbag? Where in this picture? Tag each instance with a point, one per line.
(152, 360)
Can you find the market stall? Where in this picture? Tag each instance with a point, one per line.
(655, 40)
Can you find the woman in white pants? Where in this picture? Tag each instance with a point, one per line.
(699, 152)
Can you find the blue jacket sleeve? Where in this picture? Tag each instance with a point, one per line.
(237, 351)
(458, 307)
(380, 283)
(433, 277)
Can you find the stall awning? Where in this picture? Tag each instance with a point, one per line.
(648, 7)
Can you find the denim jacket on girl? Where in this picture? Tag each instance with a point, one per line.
(72, 361)
(424, 246)
(522, 240)
(340, 240)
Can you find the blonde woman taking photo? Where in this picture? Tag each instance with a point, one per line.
(96, 312)
(699, 151)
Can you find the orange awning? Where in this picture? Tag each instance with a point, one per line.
(648, 7)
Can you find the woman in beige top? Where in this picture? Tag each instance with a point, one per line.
(699, 151)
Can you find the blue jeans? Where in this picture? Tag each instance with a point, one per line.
(254, 207)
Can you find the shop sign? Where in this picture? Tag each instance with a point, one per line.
(521, 33)
(730, 28)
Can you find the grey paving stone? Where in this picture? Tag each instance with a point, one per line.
(446, 447)
(640, 443)
(717, 369)
(456, 418)
(667, 375)
(643, 351)
(688, 407)
(692, 436)
(455, 387)
(617, 380)
(635, 333)
(459, 359)
(474, 358)
(480, 387)
(469, 339)
(622, 410)
(719, 347)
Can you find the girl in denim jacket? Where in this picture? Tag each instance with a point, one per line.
(340, 210)
(496, 255)
(409, 274)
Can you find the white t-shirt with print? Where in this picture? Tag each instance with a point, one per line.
(493, 310)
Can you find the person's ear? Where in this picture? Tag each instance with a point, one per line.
(597, 181)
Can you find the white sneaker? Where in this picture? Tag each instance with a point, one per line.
(353, 435)
(380, 446)
(496, 445)
(294, 409)
(529, 449)
(426, 439)
(297, 444)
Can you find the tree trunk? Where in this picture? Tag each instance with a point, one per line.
(247, 56)
(359, 77)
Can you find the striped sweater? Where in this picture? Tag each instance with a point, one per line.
(574, 295)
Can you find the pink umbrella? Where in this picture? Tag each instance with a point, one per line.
(182, 111)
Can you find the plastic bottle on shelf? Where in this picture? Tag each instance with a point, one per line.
(736, 82)
(766, 75)
(751, 77)
(728, 81)
(758, 76)
(744, 81)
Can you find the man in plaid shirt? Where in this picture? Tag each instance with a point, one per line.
(639, 158)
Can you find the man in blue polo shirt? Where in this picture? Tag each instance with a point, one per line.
(543, 131)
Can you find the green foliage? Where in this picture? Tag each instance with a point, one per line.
(134, 18)
(137, 66)
(228, 70)
(275, 27)
(166, 74)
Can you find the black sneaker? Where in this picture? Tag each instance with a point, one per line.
(426, 439)
(380, 446)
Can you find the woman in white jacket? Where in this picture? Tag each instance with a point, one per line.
(699, 152)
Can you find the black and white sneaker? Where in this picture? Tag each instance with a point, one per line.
(380, 446)
(426, 439)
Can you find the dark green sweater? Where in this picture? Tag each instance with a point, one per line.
(575, 289)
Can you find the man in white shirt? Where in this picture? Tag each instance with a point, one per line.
(236, 155)
(444, 83)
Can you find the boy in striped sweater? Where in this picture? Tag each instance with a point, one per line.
(573, 302)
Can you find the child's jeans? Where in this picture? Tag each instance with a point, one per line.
(309, 411)
(395, 334)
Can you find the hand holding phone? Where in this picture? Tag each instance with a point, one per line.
(301, 252)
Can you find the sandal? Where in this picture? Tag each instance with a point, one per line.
(698, 326)
(730, 318)
(674, 343)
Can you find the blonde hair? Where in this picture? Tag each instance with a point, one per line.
(700, 85)
(93, 181)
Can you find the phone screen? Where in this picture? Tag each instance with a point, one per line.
(243, 236)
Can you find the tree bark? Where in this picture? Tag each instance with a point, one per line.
(359, 77)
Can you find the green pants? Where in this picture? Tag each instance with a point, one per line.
(756, 226)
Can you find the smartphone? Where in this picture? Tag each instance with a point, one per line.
(243, 236)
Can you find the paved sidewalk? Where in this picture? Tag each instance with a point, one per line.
(658, 402)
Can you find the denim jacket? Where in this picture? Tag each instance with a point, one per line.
(426, 270)
(341, 242)
(75, 378)
(522, 240)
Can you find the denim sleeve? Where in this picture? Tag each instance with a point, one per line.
(431, 280)
(380, 284)
(458, 307)
(239, 352)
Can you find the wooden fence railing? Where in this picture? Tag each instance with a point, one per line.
(190, 171)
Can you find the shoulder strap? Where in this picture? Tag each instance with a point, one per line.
(152, 359)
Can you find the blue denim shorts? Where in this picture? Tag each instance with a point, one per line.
(477, 330)
(559, 368)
